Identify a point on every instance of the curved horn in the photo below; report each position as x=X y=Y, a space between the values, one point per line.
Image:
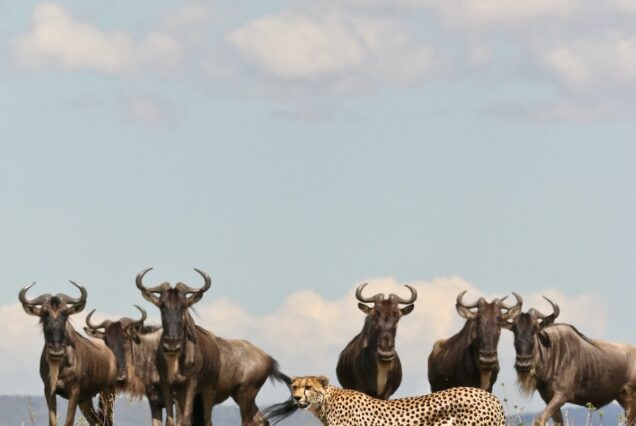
x=144 y=315
x=140 y=286
x=548 y=319
x=397 y=299
x=72 y=301
x=31 y=306
x=37 y=301
x=516 y=305
x=460 y=301
x=207 y=284
x=147 y=292
x=92 y=326
x=513 y=310
x=375 y=298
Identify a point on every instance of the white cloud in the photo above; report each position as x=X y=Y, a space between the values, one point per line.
x=339 y=49
x=58 y=39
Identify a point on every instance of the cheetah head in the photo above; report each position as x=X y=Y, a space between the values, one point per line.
x=308 y=390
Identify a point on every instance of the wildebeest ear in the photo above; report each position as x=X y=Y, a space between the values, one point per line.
x=32 y=310
x=364 y=308
x=407 y=309
x=323 y=380
x=94 y=333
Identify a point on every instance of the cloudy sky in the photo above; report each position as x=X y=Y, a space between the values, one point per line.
x=296 y=149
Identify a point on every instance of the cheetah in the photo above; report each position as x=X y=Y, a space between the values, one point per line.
x=334 y=406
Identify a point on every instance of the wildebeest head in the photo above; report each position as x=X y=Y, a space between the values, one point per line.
x=119 y=336
x=526 y=327
x=173 y=302
x=490 y=318
x=382 y=319
x=53 y=312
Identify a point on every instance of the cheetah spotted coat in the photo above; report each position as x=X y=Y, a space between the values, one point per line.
x=461 y=406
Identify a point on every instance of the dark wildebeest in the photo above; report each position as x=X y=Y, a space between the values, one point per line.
x=71 y=365
x=469 y=358
x=369 y=363
x=565 y=366
x=192 y=359
x=135 y=347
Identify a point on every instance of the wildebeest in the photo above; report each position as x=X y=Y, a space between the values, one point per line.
x=191 y=359
x=469 y=358
x=71 y=365
x=135 y=347
x=566 y=366
x=370 y=363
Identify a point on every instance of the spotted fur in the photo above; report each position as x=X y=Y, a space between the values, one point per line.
x=461 y=406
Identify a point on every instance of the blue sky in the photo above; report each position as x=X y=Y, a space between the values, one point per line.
x=285 y=146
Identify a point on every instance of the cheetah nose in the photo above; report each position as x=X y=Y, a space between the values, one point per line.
x=297 y=398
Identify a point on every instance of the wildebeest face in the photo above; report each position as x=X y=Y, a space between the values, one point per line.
x=54 y=317
x=382 y=320
x=119 y=336
x=173 y=304
x=173 y=309
x=53 y=312
x=490 y=317
x=526 y=328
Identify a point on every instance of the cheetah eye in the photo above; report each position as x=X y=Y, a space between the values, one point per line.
x=308 y=387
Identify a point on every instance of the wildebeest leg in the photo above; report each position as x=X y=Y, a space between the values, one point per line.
x=208 y=404
x=558 y=418
x=86 y=407
x=72 y=407
x=155 y=413
x=51 y=402
x=185 y=403
x=245 y=397
x=551 y=409
x=169 y=403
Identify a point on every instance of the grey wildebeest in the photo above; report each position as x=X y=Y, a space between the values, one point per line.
x=469 y=358
x=370 y=363
x=71 y=365
x=191 y=359
x=566 y=366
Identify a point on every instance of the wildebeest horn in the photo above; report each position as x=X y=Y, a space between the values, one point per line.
x=30 y=306
x=144 y=315
x=511 y=310
x=92 y=326
x=548 y=319
x=394 y=298
x=206 y=286
x=460 y=302
x=72 y=301
x=147 y=292
x=375 y=298
x=37 y=301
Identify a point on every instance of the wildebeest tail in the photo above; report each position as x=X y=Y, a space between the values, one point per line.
x=277 y=412
x=276 y=374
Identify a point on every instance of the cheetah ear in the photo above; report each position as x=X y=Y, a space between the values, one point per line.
x=323 y=380
x=294 y=378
